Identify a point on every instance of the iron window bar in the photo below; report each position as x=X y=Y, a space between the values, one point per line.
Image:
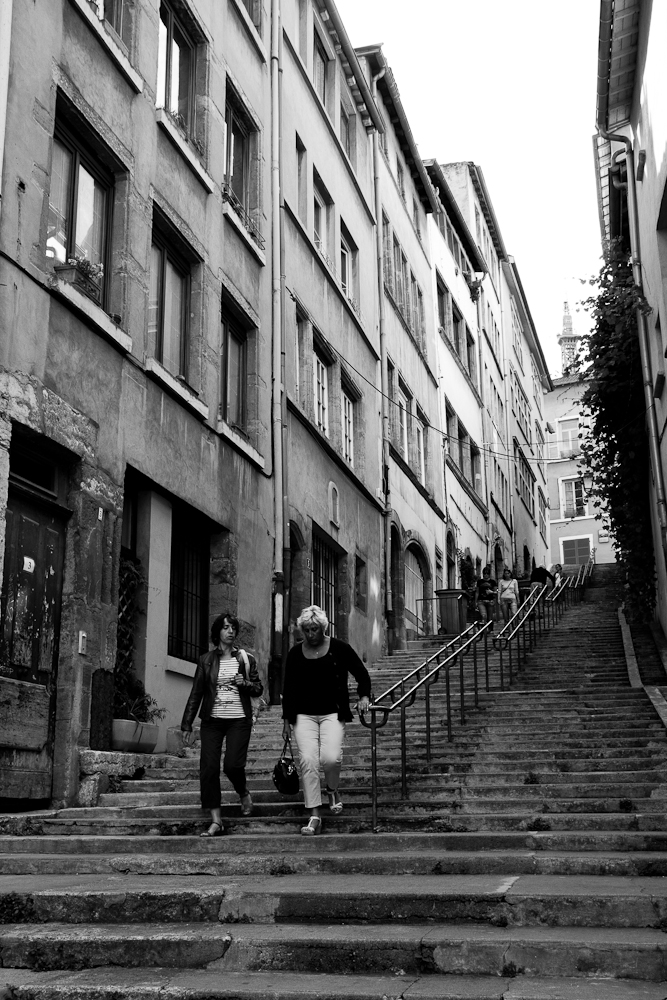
x=243 y=214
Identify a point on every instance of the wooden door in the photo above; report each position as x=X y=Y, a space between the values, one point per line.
x=29 y=631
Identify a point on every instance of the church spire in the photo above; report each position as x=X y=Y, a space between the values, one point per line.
x=568 y=340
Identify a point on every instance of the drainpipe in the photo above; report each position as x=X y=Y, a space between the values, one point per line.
x=384 y=374
x=5 y=44
x=277 y=359
x=642 y=329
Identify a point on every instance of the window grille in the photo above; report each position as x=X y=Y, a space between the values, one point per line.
x=324 y=580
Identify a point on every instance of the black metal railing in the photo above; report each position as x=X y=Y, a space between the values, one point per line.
x=396 y=700
x=245 y=216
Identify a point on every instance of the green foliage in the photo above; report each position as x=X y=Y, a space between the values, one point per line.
x=131 y=700
x=615 y=452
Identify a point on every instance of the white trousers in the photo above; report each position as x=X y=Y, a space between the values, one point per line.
x=319 y=741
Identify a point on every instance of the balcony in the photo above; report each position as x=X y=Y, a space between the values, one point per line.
x=244 y=216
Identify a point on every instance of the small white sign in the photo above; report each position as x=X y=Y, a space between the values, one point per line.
x=28 y=565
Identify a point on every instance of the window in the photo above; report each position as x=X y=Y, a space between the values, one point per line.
x=451 y=561
x=568 y=431
x=387 y=261
x=457 y=330
x=237 y=157
x=345 y=130
x=403 y=418
x=176 y=68
x=301 y=180
x=517 y=334
x=117 y=16
x=320 y=61
x=464 y=460
x=421 y=452
x=234 y=375
x=360 y=584
x=400 y=178
x=254 y=11
x=415 y=217
x=542 y=510
x=523 y=480
x=168 y=306
x=399 y=286
x=539 y=447
x=321 y=393
x=451 y=443
x=322 y=234
x=444 y=310
x=325 y=579
x=79 y=212
x=574 y=502
x=347 y=407
x=476 y=468
x=520 y=406
x=576 y=551
x=471 y=356
x=348 y=265
x=188 y=587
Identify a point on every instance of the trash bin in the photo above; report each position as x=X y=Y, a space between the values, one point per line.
x=453 y=605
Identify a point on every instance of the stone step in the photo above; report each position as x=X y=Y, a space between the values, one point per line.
x=502 y=901
x=345 y=861
x=465 y=949
x=337 y=841
x=191 y=984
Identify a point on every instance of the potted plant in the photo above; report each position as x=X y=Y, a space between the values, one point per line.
x=134 y=725
x=83 y=273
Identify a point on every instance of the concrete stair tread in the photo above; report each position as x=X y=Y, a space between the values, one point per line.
x=191 y=984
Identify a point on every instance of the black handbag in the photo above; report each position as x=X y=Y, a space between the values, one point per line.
x=285 y=774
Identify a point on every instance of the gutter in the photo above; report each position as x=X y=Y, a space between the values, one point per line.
x=275 y=668
x=643 y=334
x=5 y=46
x=604 y=61
x=384 y=375
x=348 y=50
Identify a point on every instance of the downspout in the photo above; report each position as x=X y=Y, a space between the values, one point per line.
x=384 y=373
x=5 y=45
x=642 y=329
x=276 y=372
x=287 y=555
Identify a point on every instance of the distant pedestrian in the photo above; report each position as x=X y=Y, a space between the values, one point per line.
x=539 y=577
x=316 y=706
x=487 y=592
x=508 y=595
x=225 y=680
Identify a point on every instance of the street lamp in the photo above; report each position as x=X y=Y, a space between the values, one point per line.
x=586 y=480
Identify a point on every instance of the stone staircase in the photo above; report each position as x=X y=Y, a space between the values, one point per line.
x=528 y=862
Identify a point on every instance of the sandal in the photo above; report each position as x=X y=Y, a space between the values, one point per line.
x=214 y=830
x=313 y=826
x=335 y=801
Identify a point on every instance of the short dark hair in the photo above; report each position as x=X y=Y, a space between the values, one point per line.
x=216 y=627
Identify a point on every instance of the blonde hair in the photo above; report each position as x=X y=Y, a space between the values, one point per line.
x=313 y=613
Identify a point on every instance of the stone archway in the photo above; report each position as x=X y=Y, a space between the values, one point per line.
x=418 y=589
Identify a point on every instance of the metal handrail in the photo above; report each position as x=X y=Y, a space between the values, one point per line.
x=401 y=682
x=408 y=697
x=524 y=620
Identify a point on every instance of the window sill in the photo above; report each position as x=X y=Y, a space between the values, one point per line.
x=251 y=29
x=164 y=121
x=232 y=217
x=114 y=50
x=176 y=387
x=97 y=316
x=239 y=442
x=177 y=666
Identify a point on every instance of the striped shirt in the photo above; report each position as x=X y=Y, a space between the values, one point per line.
x=227 y=703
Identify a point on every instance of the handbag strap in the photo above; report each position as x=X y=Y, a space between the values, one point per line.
x=286 y=744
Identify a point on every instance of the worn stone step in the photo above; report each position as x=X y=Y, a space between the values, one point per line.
x=346 y=861
x=501 y=900
x=191 y=984
x=465 y=949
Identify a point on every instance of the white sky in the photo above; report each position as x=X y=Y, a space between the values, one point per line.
x=509 y=84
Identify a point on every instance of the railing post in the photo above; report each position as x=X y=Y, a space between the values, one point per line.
x=502 y=676
x=449 y=704
x=374 y=772
x=404 y=757
x=427 y=698
x=462 y=691
x=486 y=657
x=474 y=669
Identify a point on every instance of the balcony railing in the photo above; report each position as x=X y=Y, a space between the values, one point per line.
x=245 y=217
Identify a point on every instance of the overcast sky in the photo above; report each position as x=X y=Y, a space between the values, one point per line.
x=509 y=84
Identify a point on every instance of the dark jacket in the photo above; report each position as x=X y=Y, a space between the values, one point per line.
x=204 y=687
x=297 y=671
x=540 y=574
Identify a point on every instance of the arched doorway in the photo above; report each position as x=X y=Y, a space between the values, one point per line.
x=415 y=610
x=526 y=561
x=396 y=625
x=499 y=562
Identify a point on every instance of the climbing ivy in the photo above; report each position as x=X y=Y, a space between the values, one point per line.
x=615 y=450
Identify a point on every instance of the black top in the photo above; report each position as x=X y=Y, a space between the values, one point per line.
x=319 y=687
x=486 y=588
x=540 y=574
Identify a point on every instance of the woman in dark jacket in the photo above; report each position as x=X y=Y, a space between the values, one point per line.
x=316 y=705
x=224 y=682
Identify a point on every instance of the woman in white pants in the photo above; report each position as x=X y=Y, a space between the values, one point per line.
x=316 y=706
